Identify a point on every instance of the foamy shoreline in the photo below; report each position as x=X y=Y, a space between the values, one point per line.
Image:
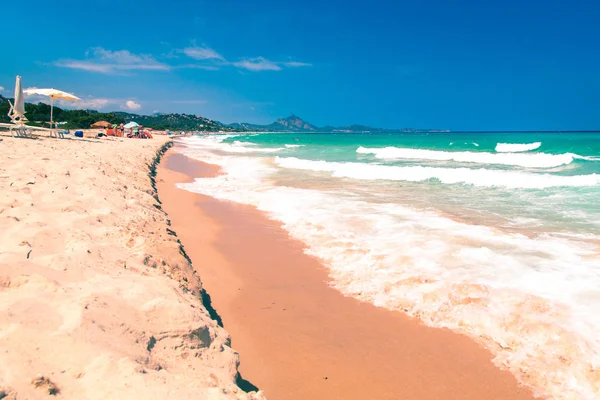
x=97 y=300
x=298 y=337
x=526 y=298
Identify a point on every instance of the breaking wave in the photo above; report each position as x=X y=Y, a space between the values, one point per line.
x=477 y=177
x=534 y=160
x=516 y=147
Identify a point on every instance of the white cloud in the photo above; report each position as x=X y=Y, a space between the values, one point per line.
x=294 y=64
x=257 y=64
x=86 y=66
x=1 y=88
x=262 y=64
x=105 y=61
x=88 y=104
x=202 y=53
x=83 y=104
x=118 y=56
x=131 y=105
x=197 y=66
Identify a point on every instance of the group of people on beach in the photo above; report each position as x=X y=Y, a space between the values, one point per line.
x=119 y=130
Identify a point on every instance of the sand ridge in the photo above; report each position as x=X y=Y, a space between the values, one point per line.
x=97 y=300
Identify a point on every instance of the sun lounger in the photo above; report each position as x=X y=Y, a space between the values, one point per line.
x=17 y=130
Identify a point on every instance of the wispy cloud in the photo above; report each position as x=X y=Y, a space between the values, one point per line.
x=1 y=88
x=212 y=60
x=257 y=64
x=202 y=53
x=198 y=66
x=294 y=64
x=105 y=61
x=91 y=104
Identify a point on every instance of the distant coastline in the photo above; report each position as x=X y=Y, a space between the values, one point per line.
x=39 y=114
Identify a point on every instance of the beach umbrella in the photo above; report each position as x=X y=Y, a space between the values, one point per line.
x=17 y=110
x=101 y=124
x=131 y=125
x=53 y=94
x=17 y=113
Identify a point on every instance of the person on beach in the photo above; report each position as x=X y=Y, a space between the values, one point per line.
x=121 y=130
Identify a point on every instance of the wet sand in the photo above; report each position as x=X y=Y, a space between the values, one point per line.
x=297 y=337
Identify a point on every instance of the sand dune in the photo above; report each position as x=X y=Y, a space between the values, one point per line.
x=96 y=299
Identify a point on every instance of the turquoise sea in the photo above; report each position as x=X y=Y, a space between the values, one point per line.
x=494 y=235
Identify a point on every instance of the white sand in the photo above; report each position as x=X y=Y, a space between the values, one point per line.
x=95 y=296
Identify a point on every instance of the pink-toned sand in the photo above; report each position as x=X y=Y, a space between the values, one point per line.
x=297 y=337
x=96 y=300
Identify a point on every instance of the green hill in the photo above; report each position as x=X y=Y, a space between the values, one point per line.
x=39 y=113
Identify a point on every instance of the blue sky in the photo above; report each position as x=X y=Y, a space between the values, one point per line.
x=526 y=64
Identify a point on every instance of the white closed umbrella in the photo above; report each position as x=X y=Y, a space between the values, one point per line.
x=53 y=94
x=19 y=107
x=17 y=110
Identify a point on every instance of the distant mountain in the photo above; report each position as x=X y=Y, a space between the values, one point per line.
x=294 y=123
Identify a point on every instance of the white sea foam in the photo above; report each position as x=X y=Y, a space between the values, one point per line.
x=478 y=177
x=532 y=300
x=533 y=160
x=215 y=142
x=238 y=143
x=516 y=147
x=291 y=146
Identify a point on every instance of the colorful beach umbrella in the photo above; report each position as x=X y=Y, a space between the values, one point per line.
x=101 y=124
x=131 y=125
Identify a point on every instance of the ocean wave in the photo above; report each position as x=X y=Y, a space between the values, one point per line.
x=216 y=142
x=516 y=147
x=587 y=158
x=291 y=146
x=533 y=160
x=477 y=177
x=521 y=297
x=238 y=143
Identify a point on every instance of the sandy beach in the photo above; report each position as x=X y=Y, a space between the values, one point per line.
x=97 y=298
x=297 y=337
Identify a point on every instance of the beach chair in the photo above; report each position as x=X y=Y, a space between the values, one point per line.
x=17 y=126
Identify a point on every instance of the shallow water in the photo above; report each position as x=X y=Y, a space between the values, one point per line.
x=493 y=235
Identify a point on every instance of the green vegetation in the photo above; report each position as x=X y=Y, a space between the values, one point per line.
x=39 y=114
x=177 y=122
